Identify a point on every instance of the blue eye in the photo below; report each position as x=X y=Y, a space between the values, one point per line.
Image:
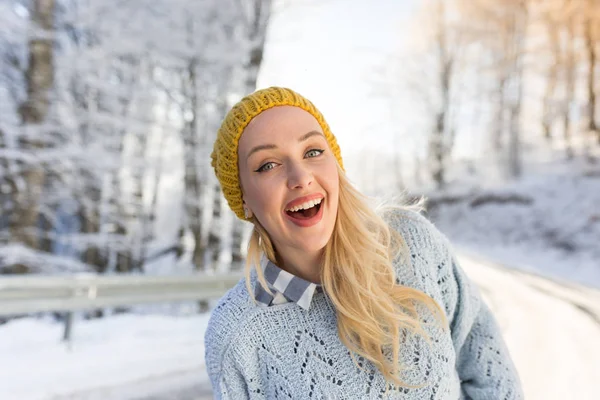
x=314 y=153
x=266 y=167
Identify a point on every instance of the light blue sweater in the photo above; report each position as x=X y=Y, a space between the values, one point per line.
x=286 y=352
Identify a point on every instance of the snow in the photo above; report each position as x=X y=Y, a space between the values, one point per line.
x=551 y=227
x=127 y=352
x=552 y=342
x=39 y=261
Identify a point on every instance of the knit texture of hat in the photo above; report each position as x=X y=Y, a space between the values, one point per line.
x=225 y=151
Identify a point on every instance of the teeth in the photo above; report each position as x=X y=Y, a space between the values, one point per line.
x=306 y=206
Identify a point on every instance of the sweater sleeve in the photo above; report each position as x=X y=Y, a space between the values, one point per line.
x=483 y=362
x=226 y=376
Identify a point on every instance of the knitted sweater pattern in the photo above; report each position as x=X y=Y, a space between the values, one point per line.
x=286 y=352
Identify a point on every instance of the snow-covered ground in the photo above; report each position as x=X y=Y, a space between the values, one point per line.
x=547 y=223
x=552 y=330
x=120 y=357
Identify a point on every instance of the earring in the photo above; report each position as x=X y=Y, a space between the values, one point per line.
x=246 y=213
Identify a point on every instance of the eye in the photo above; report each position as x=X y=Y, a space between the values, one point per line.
x=313 y=153
x=266 y=167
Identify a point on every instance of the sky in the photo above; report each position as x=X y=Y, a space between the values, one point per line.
x=330 y=51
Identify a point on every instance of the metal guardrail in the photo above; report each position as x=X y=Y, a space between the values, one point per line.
x=30 y=294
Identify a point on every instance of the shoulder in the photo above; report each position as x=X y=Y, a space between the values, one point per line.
x=427 y=261
x=419 y=233
x=226 y=321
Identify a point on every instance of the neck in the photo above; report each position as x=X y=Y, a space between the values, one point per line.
x=302 y=264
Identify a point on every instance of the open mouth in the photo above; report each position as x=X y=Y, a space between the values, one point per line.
x=306 y=211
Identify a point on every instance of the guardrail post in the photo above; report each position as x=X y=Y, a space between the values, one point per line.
x=68 y=327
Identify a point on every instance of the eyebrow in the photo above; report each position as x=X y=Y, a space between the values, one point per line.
x=302 y=138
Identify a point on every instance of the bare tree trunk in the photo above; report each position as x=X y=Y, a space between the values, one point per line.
x=89 y=221
x=46 y=219
x=5 y=203
x=115 y=217
x=193 y=144
x=569 y=65
x=516 y=43
x=551 y=83
x=590 y=44
x=257 y=36
x=436 y=152
x=214 y=236
x=84 y=183
x=137 y=213
x=90 y=217
x=499 y=120
x=34 y=111
x=193 y=185
x=514 y=148
x=440 y=143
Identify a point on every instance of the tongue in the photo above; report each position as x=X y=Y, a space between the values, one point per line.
x=304 y=214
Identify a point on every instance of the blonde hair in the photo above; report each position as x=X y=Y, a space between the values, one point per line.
x=358 y=275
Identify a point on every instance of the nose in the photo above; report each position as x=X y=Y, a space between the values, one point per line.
x=299 y=177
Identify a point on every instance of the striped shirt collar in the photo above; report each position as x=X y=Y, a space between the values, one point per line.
x=286 y=287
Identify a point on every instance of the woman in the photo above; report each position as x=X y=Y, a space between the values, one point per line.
x=339 y=302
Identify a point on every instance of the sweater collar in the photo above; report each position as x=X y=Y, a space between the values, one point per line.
x=286 y=287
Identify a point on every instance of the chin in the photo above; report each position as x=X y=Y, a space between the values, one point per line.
x=314 y=245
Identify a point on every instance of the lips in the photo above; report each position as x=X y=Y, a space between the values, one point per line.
x=305 y=222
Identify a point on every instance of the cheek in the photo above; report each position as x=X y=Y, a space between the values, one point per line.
x=261 y=197
x=252 y=193
x=255 y=198
x=332 y=179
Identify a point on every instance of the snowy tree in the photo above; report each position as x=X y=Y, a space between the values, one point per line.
x=26 y=179
x=132 y=95
x=446 y=51
x=572 y=41
x=498 y=31
x=433 y=79
x=497 y=69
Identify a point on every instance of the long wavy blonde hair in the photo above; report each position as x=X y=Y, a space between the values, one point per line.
x=359 y=277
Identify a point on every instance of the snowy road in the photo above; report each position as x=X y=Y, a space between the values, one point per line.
x=552 y=330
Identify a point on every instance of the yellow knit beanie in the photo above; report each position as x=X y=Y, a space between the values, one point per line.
x=225 y=156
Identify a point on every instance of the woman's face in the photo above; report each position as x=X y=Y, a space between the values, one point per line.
x=289 y=178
